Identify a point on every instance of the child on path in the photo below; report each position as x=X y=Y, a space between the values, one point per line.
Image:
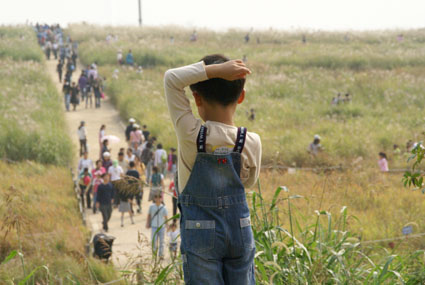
x=173 y=234
x=217 y=242
x=157 y=184
x=157 y=217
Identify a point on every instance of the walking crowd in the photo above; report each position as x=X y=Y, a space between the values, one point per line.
x=144 y=160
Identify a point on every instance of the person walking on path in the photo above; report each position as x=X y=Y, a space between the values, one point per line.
x=136 y=137
x=85 y=162
x=82 y=84
x=160 y=158
x=156 y=220
x=106 y=163
x=104 y=200
x=147 y=159
x=74 y=96
x=172 y=190
x=125 y=207
x=97 y=89
x=67 y=94
x=132 y=171
x=59 y=69
x=173 y=234
x=116 y=173
x=82 y=136
x=97 y=180
x=129 y=129
x=101 y=136
x=85 y=181
x=172 y=163
x=157 y=184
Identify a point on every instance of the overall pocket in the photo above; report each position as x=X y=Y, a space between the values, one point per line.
x=199 y=235
x=246 y=231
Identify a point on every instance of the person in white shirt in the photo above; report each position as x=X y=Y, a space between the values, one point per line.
x=129 y=156
x=85 y=162
x=82 y=136
x=115 y=171
x=160 y=158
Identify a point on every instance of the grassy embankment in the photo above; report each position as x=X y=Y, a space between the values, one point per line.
x=40 y=224
x=291 y=89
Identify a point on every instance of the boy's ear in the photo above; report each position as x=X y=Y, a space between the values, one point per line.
x=198 y=99
x=242 y=97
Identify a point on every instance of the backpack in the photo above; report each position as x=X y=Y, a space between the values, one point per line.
x=146 y=156
x=156 y=179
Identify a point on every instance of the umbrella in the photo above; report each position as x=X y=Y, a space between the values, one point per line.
x=111 y=139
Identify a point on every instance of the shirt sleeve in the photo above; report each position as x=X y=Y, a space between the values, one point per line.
x=175 y=80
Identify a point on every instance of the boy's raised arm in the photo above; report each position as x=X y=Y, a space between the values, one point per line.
x=175 y=80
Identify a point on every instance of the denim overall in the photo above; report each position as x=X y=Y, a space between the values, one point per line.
x=217 y=242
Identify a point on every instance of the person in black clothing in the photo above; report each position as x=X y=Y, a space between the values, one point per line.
x=145 y=132
x=129 y=129
x=74 y=58
x=134 y=173
x=74 y=96
x=104 y=200
x=59 y=69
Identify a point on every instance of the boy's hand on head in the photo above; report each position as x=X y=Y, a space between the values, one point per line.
x=229 y=70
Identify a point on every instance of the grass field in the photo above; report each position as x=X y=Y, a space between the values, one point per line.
x=32 y=123
x=291 y=87
x=40 y=219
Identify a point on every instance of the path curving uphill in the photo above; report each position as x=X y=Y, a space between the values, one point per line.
x=131 y=246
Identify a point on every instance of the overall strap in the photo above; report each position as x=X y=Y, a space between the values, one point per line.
x=240 y=139
x=202 y=138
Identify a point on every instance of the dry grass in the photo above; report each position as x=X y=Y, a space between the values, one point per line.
x=378 y=203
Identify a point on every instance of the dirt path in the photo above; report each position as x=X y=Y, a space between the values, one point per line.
x=126 y=249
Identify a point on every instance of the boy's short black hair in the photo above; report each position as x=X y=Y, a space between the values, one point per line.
x=132 y=164
x=217 y=90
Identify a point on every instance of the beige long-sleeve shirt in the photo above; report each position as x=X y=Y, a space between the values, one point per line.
x=220 y=137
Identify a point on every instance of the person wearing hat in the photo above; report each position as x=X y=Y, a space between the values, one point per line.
x=129 y=129
x=136 y=137
x=315 y=147
x=82 y=135
x=107 y=163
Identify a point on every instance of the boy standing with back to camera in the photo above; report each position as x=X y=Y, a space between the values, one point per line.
x=216 y=161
